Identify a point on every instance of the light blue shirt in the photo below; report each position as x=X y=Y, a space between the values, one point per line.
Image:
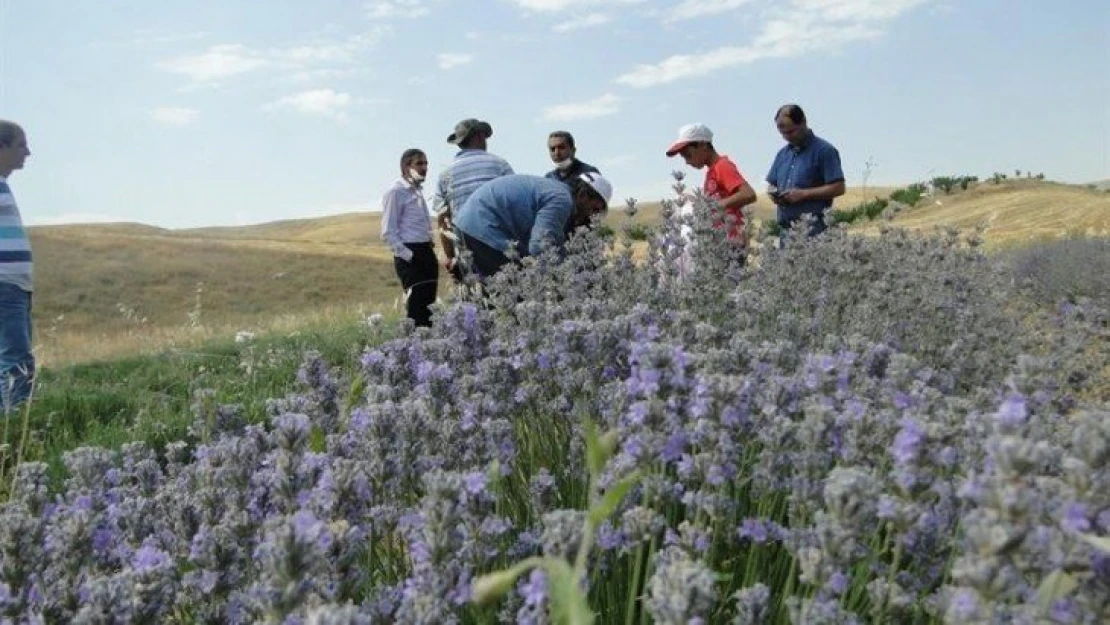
x=518 y=208
x=471 y=169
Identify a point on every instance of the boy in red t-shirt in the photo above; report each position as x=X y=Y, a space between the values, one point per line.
x=723 y=180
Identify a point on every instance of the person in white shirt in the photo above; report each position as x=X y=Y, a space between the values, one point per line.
x=407 y=229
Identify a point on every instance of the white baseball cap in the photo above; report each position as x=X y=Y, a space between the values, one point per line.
x=690 y=133
x=598 y=183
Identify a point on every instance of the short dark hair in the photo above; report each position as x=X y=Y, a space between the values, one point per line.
x=562 y=134
x=793 y=112
x=8 y=132
x=408 y=156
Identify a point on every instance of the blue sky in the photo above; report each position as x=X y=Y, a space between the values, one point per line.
x=209 y=112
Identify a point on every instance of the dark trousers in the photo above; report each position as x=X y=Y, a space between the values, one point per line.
x=420 y=279
x=485 y=260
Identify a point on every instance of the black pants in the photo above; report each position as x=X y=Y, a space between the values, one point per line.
x=484 y=259
x=420 y=277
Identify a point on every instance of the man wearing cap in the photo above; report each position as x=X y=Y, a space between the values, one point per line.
x=472 y=166
x=806 y=174
x=723 y=181
x=561 y=149
x=525 y=213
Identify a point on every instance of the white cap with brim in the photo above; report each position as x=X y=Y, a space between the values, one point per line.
x=690 y=133
x=598 y=183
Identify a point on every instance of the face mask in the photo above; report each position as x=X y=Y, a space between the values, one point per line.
x=565 y=165
x=415 y=176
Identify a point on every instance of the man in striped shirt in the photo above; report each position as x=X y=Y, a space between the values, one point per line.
x=17 y=362
x=473 y=166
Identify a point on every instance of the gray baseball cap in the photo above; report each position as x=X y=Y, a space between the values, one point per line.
x=467 y=126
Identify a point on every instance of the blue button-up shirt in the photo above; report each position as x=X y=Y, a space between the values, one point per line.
x=814 y=164
x=517 y=208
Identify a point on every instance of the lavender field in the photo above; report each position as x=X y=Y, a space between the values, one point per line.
x=857 y=429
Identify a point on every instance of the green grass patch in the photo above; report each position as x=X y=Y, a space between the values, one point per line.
x=149 y=398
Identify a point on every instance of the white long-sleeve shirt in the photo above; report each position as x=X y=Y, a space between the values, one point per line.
x=405 y=218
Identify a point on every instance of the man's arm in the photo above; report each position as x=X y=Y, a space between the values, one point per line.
x=823 y=192
x=736 y=191
x=551 y=222
x=833 y=175
x=443 y=220
x=441 y=206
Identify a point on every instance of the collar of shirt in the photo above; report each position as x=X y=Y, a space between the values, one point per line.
x=807 y=140
x=415 y=187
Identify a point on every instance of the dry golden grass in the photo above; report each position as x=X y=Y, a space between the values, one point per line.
x=1015 y=212
x=108 y=290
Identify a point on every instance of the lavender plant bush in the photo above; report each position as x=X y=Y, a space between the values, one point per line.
x=843 y=430
x=1072 y=268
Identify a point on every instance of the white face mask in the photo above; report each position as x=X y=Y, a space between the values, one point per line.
x=415 y=176
x=565 y=165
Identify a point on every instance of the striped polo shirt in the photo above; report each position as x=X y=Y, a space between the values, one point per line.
x=471 y=169
x=15 y=247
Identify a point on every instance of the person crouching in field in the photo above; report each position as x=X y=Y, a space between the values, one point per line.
x=527 y=212
x=723 y=184
x=17 y=360
x=407 y=228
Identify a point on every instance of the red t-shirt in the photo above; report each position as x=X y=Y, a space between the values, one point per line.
x=722 y=180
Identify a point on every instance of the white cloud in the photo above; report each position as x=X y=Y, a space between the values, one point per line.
x=598 y=107
x=451 y=60
x=387 y=9
x=805 y=26
x=174 y=116
x=318 y=102
x=589 y=20
x=216 y=63
x=222 y=62
x=691 y=9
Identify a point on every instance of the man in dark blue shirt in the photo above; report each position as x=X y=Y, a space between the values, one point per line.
x=806 y=174
x=560 y=146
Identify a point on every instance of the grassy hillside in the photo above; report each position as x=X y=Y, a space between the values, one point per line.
x=103 y=290
x=1015 y=212
x=108 y=290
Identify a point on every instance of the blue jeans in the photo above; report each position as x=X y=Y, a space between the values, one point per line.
x=17 y=363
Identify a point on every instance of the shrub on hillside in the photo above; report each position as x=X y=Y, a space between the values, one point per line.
x=949 y=183
x=638 y=232
x=910 y=195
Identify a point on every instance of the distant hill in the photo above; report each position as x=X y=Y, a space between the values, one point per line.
x=1014 y=211
x=1101 y=185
